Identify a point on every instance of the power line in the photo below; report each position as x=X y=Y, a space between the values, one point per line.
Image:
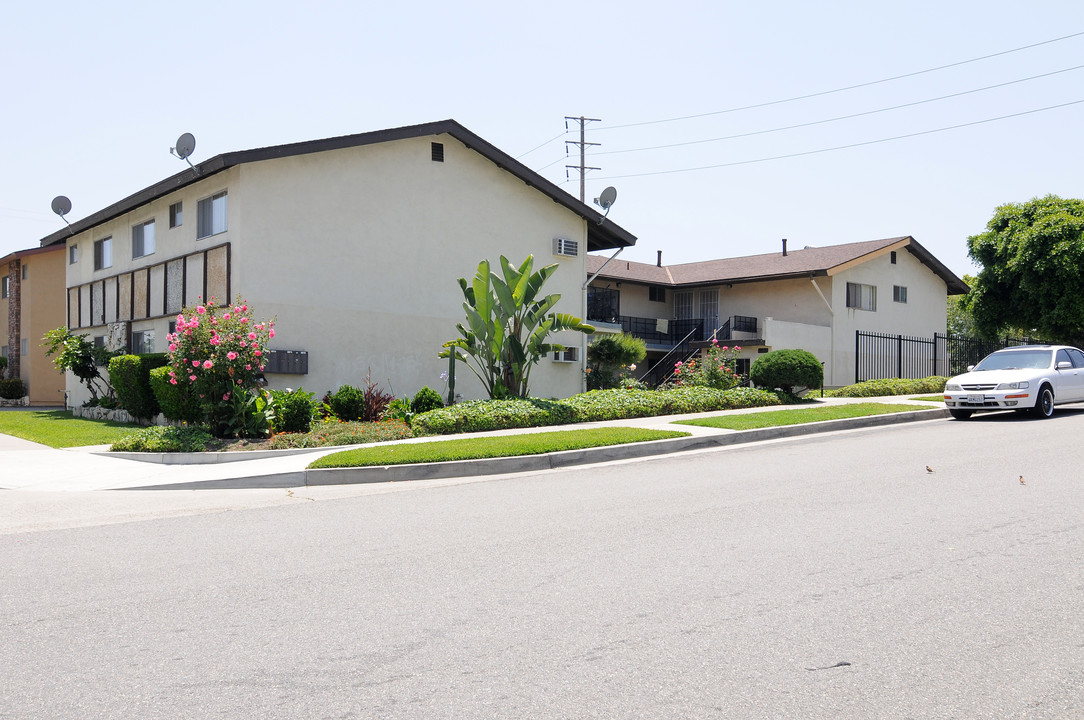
x=555 y=137
x=835 y=119
x=842 y=89
x=843 y=147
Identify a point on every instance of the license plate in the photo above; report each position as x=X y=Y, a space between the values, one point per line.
x=975 y=399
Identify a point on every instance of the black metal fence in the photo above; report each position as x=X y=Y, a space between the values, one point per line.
x=878 y=355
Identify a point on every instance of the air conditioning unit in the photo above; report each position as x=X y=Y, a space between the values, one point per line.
x=566 y=247
x=569 y=355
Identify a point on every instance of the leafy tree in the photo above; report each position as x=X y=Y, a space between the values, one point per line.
x=610 y=354
x=82 y=358
x=960 y=321
x=508 y=321
x=1032 y=277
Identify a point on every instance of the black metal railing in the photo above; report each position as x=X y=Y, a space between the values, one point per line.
x=663 y=369
x=879 y=355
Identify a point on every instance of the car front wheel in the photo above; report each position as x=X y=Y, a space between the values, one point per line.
x=1044 y=404
x=960 y=414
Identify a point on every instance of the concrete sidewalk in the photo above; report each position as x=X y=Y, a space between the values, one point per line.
x=29 y=466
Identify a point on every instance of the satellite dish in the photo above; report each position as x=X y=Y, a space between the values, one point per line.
x=607 y=198
x=61 y=205
x=185 y=145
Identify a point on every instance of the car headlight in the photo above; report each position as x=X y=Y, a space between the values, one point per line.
x=953 y=387
x=1013 y=386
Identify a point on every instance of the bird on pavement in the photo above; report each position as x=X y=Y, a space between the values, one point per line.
x=929 y=469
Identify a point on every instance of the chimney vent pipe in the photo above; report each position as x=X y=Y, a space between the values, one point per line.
x=658 y=262
x=784 y=247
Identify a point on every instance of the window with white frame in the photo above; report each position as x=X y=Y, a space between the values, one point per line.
x=143 y=239
x=709 y=310
x=176 y=215
x=73 y=254
x=899 y=294
x=24 y=346
x=683 y=305
x=861 y=297
x=103 y=253
x=142 y=342
x=211 y=216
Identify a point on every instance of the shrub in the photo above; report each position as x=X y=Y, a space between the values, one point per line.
x=480 y=415
x=168 y=438
x=352 y=404
x=716 y=369
x=891 y=386
x=611 y=356
x=425 y=400
x=12 y=389
x=332 y=433
x=787 y=370
x=130 y=376
x=177 y=402
x=293 y=410
x=398 y=409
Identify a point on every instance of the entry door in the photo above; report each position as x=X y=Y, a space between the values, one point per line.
x=709 y=311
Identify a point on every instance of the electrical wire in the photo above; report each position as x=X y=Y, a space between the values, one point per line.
x=834 y=119
x=841 y=89
x=555 y=137
x=842 y=147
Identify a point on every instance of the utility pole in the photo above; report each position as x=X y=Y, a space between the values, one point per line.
x=582 y=167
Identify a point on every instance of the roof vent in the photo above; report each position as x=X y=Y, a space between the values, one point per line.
x=784 y=247
x=438 y=152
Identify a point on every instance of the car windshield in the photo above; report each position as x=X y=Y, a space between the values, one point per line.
x=1034 y=359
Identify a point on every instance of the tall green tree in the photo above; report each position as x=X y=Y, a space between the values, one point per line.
x=508 y=322
x=1032 y=277
x=85 y=360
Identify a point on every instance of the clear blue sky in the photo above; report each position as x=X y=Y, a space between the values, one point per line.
x=94 y=95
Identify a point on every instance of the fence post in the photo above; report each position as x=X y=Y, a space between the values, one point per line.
x=899 y=356
x=857 y=354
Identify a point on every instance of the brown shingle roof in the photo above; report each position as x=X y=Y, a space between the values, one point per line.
x=771 y=266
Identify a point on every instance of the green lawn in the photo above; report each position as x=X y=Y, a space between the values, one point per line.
x=491 y=447
x=778 y=418
x=58 y=429
x=929 y=398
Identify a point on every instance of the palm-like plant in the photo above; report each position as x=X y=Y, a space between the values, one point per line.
x=508 y=321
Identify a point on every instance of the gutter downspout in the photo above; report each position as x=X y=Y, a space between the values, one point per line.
x=583 y=338
x=833 y=334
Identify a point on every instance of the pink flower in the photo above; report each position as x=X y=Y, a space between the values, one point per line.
x=244 y=344
x=226 y=316
x=715 y=342
x=678 y=364
x=192 y=378
x=215 y=340
x=270 y=333
x=231 y=355
x=226 y=396
x=725 y=347
x=173 y=347
x=244 y=320
x=737 y=348
x=258 y=353
x=195 y=363
x=252 y=336
x=207 y=364
x=173 y=381
x=201 y=310
x=248 y=367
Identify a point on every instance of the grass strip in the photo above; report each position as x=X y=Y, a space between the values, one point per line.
x=491 y=447
x=58 y=429
x=777 y=418
x=930 y=398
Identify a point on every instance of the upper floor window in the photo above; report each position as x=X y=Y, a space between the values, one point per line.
x=176 y=215
x=656 y=293
x=143 y=239
x=5 y=286
x=25 y=270
x=899 y=294
x=892 y=257
x=211 y=216
x=73 y=254
x=683 y=304
x=861 y=297
x=603 y=304
x=103 y=253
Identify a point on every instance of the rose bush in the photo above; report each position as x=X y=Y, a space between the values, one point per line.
x=219 y=351
x=716 y=369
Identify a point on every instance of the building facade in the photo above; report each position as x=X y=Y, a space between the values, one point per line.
x=32 y=302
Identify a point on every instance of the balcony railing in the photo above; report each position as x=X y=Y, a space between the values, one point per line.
x=665 y=333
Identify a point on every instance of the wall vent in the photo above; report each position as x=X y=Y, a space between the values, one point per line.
x=566 y=247
x=569 y=355
x=438 y=152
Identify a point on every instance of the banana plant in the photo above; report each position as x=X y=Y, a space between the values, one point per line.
x=507 y=323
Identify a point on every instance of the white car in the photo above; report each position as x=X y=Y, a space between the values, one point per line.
x=1031 y=378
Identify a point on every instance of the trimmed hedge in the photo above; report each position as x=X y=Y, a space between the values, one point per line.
x=891 y=386
x=294 y=410
x=176 y=401
x=331 y=433
x=130 y=377
x=425 y=400
x=786 y=370
x=164 y=438
x=480 y=415
x=12 y=389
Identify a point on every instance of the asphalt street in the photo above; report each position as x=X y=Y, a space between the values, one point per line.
x=831 y=576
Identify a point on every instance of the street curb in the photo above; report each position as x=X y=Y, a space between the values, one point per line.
x=549 y=461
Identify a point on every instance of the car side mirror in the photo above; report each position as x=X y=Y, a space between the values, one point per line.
x=970 y=368
x=1065 y=365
